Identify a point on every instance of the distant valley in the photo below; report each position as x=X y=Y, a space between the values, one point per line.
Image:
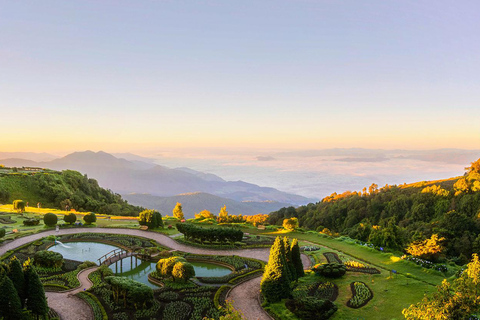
x=146 y=184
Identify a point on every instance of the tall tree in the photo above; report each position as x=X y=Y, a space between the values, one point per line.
x=10 y=305
x=15 y=273
x=297 y=259
x=36 y=300
x=288 y=260
x=275 y=284
x=223 y=214
x=178 y=212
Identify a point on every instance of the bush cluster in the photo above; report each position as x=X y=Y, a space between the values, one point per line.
x=192 y=232
x=311 y=308
x=150 y=218
x=50 y=219
x=31 y=222
x=330 y=270
x=130 y=291
x=175 y=267
x=48 y=259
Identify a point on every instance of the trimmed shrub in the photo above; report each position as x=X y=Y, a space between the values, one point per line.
x=50 y=219
x=221 y=234
x=126 y=291
x=19 y=205
x=330 y=270
x=70 y=218
x=150 y=218
x=311 y=308
x=31 y=222
x=48 y=259
x=90 y=218
x=2 y=233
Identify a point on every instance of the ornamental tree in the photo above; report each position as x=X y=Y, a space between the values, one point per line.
x=275 y=284
x=15 y=273
x=296 y=259
x=178 y=212
x=290 y=224
x=35 y=293
x=10 y=305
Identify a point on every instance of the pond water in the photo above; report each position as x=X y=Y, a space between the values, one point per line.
x=132 y=268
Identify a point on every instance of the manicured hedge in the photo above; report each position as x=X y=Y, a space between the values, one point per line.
x=221 y=234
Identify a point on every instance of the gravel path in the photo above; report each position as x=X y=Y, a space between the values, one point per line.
x=70 y=307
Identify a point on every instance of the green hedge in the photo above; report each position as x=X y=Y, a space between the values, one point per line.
x=99 y=312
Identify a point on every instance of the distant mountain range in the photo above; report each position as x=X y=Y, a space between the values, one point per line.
x=141 y=176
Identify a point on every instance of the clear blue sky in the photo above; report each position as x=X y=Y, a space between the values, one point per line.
x=133 y=75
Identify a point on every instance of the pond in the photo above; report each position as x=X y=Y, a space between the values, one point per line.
x=132 y=268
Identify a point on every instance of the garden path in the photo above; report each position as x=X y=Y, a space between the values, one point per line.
x=67 y=305
x=248 y=290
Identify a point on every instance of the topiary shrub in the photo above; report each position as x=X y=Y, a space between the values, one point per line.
x=90 y=218
x=70 y=218
x=19 y=205
x=48 y=259
x=50 y=219
x=311 y=308
x=31 y=222
x=330 y=270
x=2 y=233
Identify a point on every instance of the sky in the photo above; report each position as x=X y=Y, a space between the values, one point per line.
x=140 y=76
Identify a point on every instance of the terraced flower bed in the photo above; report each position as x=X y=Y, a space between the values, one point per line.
x=361 y=294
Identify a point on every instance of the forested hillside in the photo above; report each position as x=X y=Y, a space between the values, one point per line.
x=58 y=189
x=395 y=216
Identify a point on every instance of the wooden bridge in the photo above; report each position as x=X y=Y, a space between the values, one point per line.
x=115 y=256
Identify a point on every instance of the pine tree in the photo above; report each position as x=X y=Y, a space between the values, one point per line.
x=275 y=284
x=288 y=260
x=15 y=273
x=10 y=306
x=36 y=300
x=296 y=259
x=178 y=212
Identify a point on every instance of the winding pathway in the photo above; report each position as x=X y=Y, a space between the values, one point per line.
x=70 y=307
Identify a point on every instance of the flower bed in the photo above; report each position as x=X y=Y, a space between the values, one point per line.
x=332 y=257
x=426 y=264
x=326 y=291
x=361 y=294
x=355 y=266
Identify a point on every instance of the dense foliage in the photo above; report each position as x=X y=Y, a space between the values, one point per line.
x=176 y=267
x=48 y=259
x=396 y=216
x=58 y=189
x=127 y=291
x=457 y=300
x=178 y=211
x=330 y=270
x=311 y=308
x=220 y=234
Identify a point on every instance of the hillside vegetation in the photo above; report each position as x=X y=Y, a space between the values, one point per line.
x=396 y=216
x=60 y=189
